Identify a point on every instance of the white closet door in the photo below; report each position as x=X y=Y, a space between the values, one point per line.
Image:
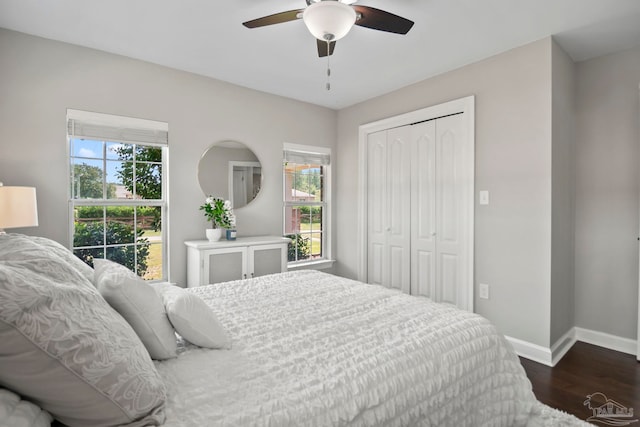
x=437 y=210
x=389 y=205
x=376 y=206
x=418 y=211
x=399 y=207
x=416 y=178
x=423 y=209
x=450 y=219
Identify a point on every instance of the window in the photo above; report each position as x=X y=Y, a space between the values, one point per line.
x=306 y=203
x=117 y=191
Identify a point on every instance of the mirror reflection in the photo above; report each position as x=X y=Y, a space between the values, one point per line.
x=230 y=170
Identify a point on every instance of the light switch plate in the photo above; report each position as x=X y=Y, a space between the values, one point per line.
x=483 y=291
x=484 y=197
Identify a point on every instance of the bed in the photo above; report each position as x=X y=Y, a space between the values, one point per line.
x=300 y=348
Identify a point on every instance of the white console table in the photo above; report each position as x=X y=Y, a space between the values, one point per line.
x=224 y=260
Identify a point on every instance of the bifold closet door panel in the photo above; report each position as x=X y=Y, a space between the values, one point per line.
x=399 y=207
x=437 y=230
x=450 y=191
x=376 y=205
x=423 y=209
x=388 y=208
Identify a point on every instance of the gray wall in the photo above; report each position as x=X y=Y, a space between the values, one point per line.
x=607 y=154
x=523 y=157
x=40 y=79
x=513 y=162
x=562 y=193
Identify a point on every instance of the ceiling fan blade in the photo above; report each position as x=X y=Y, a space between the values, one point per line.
x=322 y=48
x=383 y=21
x=277 y=18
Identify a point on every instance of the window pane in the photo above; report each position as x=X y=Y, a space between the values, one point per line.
x=154 y=262
x=119 y=179
x=292 y=218
x=133 y=237
x=120 y=225
x=316 y=231
x=88 y=228
x=86 y=148
x=148 y=154
x=118 y=151
x=308 y=183
x=148 y=181
x=121 y=236
x=299 y=247
x=303 y=224
x=149 y=238
x=86 y=179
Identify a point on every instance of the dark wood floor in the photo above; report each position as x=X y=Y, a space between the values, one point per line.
x=584 y=370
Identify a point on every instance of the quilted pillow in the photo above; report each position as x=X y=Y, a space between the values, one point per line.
x=64 y=348
x=193 y=318
x=139 y=304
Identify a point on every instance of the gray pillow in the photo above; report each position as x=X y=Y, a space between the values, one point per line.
x=65 y=349
x=139 y=304
x=38 y=251
x=57 y=249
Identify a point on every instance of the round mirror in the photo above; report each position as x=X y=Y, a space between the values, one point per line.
x=230 y=170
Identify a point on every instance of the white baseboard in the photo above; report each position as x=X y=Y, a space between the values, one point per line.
x=612 y=342
x=551 y=356
x=562 y=345
x=531 y=351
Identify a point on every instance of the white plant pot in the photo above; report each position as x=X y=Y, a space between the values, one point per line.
x=213 y=234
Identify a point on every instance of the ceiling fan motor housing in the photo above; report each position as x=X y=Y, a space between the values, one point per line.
x=329 y=20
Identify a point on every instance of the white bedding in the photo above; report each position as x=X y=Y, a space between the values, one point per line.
x=15 y=412
x=314 y=349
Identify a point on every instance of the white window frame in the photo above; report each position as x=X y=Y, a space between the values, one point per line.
x=326 y=261
x=126 y=130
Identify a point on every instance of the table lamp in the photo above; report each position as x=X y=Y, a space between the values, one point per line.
x=18 y=207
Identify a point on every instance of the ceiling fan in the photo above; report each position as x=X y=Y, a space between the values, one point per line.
x=330 y=20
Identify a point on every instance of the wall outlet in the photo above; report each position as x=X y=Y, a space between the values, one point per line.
x=484 y=291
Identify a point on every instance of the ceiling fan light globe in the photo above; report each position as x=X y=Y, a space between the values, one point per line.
x=329 y=20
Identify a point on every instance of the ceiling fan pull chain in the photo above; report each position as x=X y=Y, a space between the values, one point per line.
x=328 y=64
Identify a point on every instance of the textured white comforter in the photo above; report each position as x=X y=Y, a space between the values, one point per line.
x=314 y=349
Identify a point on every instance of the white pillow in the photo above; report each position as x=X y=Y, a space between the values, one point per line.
x=139 y=304
x=193 y=318
x=16 y=412
x=63 y=347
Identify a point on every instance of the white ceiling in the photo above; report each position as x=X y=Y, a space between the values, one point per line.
x=206 y=37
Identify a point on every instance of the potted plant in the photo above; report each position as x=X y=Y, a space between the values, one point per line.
x=219 y=213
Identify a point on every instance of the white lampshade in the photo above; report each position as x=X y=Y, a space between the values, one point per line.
x=18 y=207
x=329 y=20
